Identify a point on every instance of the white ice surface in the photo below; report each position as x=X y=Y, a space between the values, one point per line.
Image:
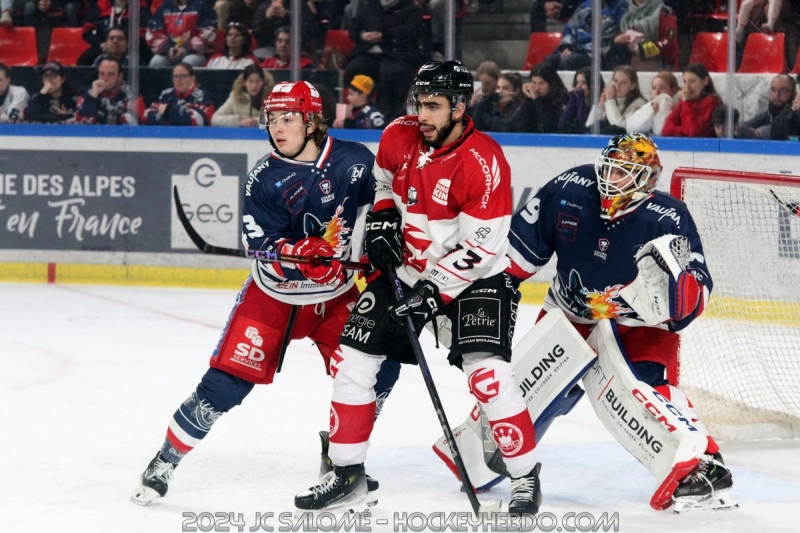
x=90 y=376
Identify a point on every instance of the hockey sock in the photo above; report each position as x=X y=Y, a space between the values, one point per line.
x=491 y=381
x=189 y=425
x=387 y=377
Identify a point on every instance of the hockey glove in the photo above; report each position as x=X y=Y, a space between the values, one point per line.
x=420 y=303
x=685 y=295
x=321 y=266
x=383 y=241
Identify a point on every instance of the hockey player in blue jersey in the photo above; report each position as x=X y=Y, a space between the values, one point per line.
x=614 y=236
x=309 y=197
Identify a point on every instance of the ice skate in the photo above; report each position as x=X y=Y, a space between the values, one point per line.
x=342 y=489
x=154 y=481
x=526 y=493
x=708 y=487
x=326 y=465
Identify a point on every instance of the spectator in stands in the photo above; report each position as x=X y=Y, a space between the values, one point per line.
x=104 y=15
x=52 y=13
x=243 y=106
x=787 y=124
x=579 y=102
x=618 y=102
x=487 y=74
x=364 y=115
x=547 y=15
x=109 y=99
x=575 y=49
x=272 y=15
x=282 y=58
x=548 y=97
x=56 y=100
x=766 y=16
x=781 y=95
x=691 y=116
x=241 y=11
x=13 y=98
x=650 y=118
x=387 y=38
x=507 y=109
x=648 y=38
x=184 y=104
x=5 y=13
x=181 y=31
x=116 y=47
x=236 y=53
x=720 y=119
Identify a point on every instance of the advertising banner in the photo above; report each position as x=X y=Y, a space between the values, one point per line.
x=107 y=201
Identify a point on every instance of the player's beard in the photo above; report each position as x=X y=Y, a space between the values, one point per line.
x=441 y=134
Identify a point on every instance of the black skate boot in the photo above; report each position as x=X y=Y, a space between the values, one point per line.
x=343 y=487
x=326 y=465
x=708 y=487
x=154 y=481
x=526 y=493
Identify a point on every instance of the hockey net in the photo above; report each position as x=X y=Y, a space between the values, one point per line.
x=740 y=361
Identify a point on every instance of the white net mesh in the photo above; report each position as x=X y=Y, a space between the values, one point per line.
x=740 y=361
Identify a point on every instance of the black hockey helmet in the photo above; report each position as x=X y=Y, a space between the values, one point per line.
x=448 y=78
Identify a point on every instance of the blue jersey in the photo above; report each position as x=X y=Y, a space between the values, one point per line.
x=595 y=257
x=287 y=200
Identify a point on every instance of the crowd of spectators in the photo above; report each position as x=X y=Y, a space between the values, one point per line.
x=391 y=39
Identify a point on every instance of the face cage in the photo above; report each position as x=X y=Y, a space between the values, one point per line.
x=638 y=173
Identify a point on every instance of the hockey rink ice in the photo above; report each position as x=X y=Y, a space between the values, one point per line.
x=91 y=375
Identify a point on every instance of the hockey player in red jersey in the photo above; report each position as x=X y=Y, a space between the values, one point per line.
x=441 y=218
x=306 y=198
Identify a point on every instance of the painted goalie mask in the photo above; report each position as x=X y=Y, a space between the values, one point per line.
x=627 y=172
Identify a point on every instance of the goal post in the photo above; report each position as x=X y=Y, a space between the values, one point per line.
x=740 y=361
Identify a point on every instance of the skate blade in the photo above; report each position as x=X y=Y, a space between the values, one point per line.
x=721 y=500
x=358 y=505
x=372 y=498
x=144 y=496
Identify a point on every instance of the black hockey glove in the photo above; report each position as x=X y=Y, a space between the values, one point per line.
x=383 y=241
x=420 y=303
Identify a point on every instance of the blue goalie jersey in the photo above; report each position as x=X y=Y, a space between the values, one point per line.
x=595 y=257
x=287 y=200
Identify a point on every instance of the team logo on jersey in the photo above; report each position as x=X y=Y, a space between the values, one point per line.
x=356 y=172
x=327 y=195
x=508 y=438
x=483 y=385
x=591 y=304
x=335 y=232
x=441 y=191
x=334 y=422
x=250 y=353
x=602 y=245
x=412 y=196
x=424 y=158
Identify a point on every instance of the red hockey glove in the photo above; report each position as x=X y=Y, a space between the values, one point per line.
x=321 y=266
x=685 y=295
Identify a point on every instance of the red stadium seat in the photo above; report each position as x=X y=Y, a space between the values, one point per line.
x=18 y=46
x=710 y=49
x=541 y=45
x=66 y=46
x=764 y=54
x=337 y=46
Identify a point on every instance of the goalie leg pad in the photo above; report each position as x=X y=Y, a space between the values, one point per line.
x=656 y=432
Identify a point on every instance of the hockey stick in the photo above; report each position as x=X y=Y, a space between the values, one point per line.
x=261 y=255
x=480 y=510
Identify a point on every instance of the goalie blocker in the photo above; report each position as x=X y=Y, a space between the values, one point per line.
x=661 y=435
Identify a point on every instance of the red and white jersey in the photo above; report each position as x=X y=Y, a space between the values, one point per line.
x=455 y=204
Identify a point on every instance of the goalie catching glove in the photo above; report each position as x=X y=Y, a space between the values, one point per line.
x=420 y=303
x=664 y=290
x=321 y=266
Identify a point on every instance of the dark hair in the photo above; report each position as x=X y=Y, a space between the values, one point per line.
x=4 y=68
x=720 y=115
x=117 y=27
x=587 y=75
x=514 y=79
x=112 y=60
x=700 y=70
x=548 y=73
x=253 y=68
x=189 y=68
x=244 y=32
x=282 y=29
x=634 y=77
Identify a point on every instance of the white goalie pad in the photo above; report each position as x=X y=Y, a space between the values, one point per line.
x=547 y=363
x=659 y=261
x=653 y=430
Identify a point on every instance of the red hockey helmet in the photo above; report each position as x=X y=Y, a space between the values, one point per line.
x=299 y=96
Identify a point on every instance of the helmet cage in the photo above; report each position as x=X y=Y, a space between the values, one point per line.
x=627 y=172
